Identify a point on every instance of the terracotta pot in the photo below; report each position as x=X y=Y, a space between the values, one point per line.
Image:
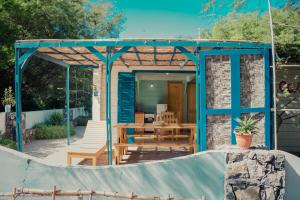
x=243 y=141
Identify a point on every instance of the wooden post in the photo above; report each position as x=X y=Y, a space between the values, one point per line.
x=54 y=192
x=14 y=195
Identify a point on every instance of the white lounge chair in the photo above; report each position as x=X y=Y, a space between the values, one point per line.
x=91 y=145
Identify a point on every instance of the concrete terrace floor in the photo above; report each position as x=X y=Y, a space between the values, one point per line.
x=55 y=152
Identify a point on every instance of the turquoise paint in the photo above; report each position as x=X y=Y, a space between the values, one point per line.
x=68 y=103
x=235 y=110
x=267 y=99
x=126 y=100
x=142 y=42
x=185 y=177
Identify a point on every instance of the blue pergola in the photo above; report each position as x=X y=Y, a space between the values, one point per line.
x=107 y=52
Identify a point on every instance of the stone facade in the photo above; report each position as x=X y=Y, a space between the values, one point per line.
x=256 y=174
x=218 y=131
x=252 y=81
x=218 y=94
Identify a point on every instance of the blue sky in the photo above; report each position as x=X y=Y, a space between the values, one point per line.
x=177 y=18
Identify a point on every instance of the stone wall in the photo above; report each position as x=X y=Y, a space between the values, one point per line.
x=257 y=174
x=252 y=81
x=218 y=129
x=218 y=95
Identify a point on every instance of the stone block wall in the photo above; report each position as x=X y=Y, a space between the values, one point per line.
x=218 y=131
x=218 y=85
x=218 y=95
x=252 y=81
x=254 y=175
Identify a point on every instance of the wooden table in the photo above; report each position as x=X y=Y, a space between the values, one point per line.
x=122 y=145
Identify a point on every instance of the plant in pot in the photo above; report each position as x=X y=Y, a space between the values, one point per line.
x=244 y=131
x=8 y=99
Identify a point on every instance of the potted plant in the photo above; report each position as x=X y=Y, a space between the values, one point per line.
x=244 y=131
x=8 y=99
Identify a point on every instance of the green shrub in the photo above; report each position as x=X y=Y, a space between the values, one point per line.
x=56 y=118
x=45 y=131
x=81 y=121
x=8 y=143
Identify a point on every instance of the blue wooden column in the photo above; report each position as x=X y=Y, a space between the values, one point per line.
x=68 y=103
x=198 y=86
x=108 y=104
x=18 y=84
x=20 y=64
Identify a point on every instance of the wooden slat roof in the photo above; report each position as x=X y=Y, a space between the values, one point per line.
x=142 y=52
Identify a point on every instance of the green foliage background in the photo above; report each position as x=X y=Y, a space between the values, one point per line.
x=59 y=19
x=255 y=27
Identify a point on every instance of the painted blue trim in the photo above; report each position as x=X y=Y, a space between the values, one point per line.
x=98 y=54
x=188 y=54
x=18 y=88
x=137 y=55
x=26 y=55
x=85 y=66
x=235 y=110
x=119 y=53
x=252 y=110
x=108 y=105
x=154 y=55
x=235 y=92
x=232 y=51
x=50 y=59
x=165 y=71
x=267 y=99
x=218 y=111
x=126 y=100
x=173 y=54
x=68 y=103
x=197 y=136
x=114 y=43
x=202 y=102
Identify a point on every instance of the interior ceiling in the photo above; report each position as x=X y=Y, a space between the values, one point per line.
x=165 y=76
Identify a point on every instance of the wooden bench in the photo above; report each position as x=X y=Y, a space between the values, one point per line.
x=121 y=148
x=86 y=153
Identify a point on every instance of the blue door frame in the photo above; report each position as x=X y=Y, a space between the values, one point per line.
x=235 y=110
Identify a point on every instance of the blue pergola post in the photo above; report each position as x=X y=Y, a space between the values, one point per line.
x=18 y=84
x=108 y=104
x=197 y=102
x=68 y=103
x=20 y=64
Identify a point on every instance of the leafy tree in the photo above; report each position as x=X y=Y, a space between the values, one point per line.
x=44 y=19
x=255 y=27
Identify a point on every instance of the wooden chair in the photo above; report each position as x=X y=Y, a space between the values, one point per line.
x=168 y=118
x=91 y=145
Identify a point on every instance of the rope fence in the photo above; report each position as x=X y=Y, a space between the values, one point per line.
x=29 y=192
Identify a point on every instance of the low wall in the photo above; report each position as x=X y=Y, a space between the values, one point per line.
x=34 y=117
x=187 y=177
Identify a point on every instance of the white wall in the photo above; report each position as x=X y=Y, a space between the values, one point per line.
x=2 y=122
x=34 y=117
